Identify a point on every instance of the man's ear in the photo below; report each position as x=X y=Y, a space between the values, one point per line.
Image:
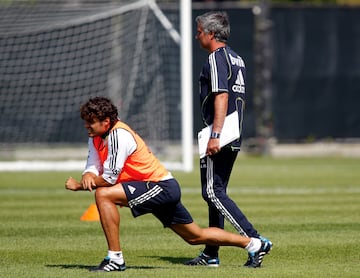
x=107 y=122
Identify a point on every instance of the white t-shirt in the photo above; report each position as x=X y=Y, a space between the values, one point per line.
x=121 y=144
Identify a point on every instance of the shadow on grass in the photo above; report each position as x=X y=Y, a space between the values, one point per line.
x=70 y=266
x=173 y=260
x=88 y=267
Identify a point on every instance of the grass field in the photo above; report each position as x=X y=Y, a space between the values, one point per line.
x=309 y=208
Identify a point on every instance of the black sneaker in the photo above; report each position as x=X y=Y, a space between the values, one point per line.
x=255 y=258
x=204 y=260
x=109 y=265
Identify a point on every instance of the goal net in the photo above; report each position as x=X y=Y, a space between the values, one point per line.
x=56 y=54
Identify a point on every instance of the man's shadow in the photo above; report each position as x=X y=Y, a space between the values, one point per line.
x=69 y=266
x=88 y=267
x=173 y=260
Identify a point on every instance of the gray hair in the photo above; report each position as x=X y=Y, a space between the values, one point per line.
x=216 y=22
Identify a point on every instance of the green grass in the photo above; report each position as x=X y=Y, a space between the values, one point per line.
x=309 y=208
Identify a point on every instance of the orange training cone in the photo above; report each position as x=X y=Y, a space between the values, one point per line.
x=91 y=214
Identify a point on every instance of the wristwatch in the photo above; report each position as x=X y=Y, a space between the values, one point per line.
x=215 y=135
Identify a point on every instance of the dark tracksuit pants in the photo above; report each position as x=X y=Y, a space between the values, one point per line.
x=215 y=174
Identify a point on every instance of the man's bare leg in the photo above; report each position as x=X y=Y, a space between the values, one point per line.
x=107 y=199
x=195 y=235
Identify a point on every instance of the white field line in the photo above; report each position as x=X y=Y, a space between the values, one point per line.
x=281 y=190
x=15 y=166
x=69 y=165
x=185 y=191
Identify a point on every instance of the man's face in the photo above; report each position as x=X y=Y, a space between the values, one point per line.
x=97 y=128
x=203 y=38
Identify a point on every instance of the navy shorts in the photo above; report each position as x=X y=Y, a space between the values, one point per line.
x=162 y=199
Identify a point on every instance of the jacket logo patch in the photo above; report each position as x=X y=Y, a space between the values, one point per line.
x=131 y=189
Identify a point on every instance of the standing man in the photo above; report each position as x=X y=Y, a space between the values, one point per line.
x=124 y=172
x=222 y=91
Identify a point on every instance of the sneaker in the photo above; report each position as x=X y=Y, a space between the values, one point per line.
x=205 y=260
x=255 y=258
x=109 y=265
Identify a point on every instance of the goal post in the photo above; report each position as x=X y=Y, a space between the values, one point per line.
x=56 y=54
x=186 y=84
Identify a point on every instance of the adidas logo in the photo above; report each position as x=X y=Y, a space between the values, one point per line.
x=131 y=189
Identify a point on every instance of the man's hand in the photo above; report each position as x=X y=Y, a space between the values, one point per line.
x=72 y=184
x=213 y=146
x=88 y=181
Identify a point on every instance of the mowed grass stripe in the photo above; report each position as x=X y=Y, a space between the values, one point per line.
x=309 y=209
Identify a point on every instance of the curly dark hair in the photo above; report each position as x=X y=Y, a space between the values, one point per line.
x=99 y=108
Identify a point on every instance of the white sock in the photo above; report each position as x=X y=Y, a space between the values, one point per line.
x=254 y=245
x=116 y=256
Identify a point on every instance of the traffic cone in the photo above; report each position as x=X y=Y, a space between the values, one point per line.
x=91 y=214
